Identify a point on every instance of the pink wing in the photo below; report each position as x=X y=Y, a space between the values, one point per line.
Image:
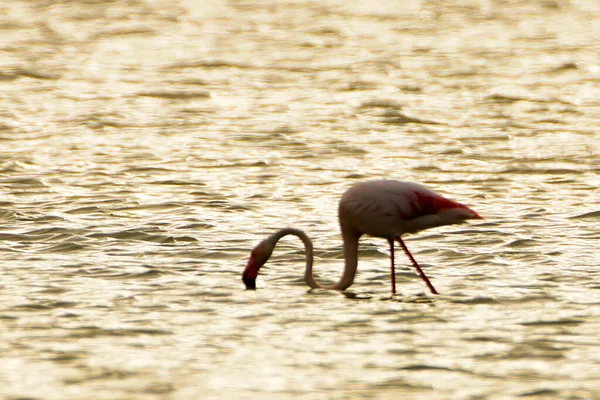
x=387 y=208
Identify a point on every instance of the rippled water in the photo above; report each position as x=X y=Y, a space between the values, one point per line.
x=147 y=146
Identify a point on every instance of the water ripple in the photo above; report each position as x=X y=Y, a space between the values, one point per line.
x=146 y=147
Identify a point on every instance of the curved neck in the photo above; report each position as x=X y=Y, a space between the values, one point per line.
x=350 y=257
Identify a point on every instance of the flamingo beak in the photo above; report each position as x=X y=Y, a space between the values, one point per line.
x=250 y=273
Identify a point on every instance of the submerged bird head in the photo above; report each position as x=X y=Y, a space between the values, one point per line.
x=258 y=257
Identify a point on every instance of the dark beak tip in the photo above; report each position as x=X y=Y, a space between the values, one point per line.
x=250 y=284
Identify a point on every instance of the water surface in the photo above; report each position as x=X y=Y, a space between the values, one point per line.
x=147 y=146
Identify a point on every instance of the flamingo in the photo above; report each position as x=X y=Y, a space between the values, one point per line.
x=381 y=208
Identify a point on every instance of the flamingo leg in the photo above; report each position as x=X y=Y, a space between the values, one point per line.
x=393 y=268
x=414 y=263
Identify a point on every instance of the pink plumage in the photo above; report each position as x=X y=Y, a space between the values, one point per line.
x=382 y=208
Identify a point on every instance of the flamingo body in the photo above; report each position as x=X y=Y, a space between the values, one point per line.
x=387 y=209
x=381 y=208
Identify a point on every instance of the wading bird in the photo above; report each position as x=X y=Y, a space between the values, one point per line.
x=383 y=208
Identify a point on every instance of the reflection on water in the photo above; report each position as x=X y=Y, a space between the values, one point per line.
x=145 y=148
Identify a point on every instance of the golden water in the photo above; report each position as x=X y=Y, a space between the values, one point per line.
x=147 y=146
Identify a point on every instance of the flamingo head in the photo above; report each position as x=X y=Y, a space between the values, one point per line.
x=258 y=257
